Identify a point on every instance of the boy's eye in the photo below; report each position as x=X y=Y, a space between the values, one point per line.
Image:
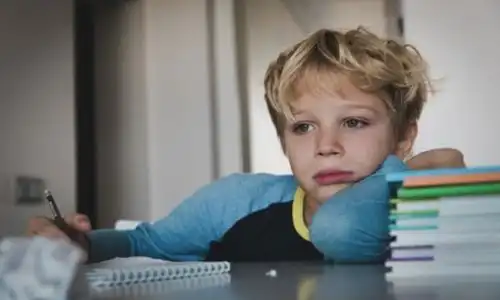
x=302 y=128
x=354 y=123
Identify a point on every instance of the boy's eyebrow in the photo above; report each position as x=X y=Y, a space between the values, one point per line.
x=346 y=103
x=297 y=111
x=363 y=106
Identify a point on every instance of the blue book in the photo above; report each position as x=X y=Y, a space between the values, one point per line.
x=399 y=177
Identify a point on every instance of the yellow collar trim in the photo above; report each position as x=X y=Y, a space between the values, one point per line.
x=298 y=214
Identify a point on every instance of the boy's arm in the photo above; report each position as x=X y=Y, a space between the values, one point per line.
x=353 y=226
x=186 y=233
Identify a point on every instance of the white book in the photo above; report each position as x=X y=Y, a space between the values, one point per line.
x=450 y=224
x=418 y=269
x=455 y=206
x=449 y=254
x=436 y=237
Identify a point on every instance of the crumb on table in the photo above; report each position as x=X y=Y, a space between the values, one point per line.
x=272 y=273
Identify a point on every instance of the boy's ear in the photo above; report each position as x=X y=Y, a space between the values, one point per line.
x=405 y=145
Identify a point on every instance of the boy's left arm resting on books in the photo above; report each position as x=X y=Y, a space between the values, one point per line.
x=353 y=226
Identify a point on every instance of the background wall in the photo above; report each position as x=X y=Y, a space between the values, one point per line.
x=179 y=100
x=168 y=103
x=270 y=29
x=344 y=15
x=36 y=104
x=457 y=39
x=121 y=112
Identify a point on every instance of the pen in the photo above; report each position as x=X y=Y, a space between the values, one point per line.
x=57 y=217
x=53 y=206
x=75 y=235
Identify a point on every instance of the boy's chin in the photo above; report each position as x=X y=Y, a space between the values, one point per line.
x=325 y=192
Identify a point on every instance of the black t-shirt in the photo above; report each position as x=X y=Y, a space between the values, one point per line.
x=265 y=235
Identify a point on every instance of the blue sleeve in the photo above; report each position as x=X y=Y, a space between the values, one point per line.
x=186 y=233
x=353 y=226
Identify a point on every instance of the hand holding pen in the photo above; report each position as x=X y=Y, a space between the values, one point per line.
x=73 y=227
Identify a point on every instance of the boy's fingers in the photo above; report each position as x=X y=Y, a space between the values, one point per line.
x=79 y=222
x=82 y=222
x=52 y=232
x=37 y=224
x=42 y=226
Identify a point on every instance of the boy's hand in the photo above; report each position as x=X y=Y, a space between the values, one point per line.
x=79 y=224
x=353 y=226
x=437 y=158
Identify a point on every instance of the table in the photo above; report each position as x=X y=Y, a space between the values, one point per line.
x=309 y=281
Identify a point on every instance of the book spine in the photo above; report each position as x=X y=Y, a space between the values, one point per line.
x=399 y=177
x=434 y=192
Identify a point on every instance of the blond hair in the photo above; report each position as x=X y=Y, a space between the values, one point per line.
x=395 y=73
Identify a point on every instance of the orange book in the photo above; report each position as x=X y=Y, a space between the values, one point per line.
x=456 y=179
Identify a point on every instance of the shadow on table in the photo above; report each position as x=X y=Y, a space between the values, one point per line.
x=309 y=281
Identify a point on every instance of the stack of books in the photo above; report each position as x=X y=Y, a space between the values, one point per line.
x=445 y=222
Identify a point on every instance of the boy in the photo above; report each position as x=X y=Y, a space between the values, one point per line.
x=345 y=107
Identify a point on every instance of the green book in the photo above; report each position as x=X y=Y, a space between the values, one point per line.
x=449 y=191
x=395 y=201
x=413 y=228
x=415 y=214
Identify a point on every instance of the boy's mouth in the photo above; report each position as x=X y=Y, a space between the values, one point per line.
x=327 y=177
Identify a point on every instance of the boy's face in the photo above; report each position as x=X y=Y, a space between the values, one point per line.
x=338 y=137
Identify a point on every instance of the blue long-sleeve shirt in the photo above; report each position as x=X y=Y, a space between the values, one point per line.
x=352 y=226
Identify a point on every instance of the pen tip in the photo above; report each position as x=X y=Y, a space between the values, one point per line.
x=47 y=193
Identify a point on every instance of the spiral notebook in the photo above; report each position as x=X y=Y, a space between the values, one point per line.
x=161 y=288
x=133 y=271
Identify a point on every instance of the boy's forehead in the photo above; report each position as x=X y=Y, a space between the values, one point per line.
x=319 y=84
x=333 y=88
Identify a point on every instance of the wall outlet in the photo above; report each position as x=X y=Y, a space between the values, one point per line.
x=29 y=190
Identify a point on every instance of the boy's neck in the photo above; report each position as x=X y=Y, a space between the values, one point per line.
x=310 y=208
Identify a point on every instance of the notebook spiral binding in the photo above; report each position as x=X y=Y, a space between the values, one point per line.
x=154 y=272
x=148 y=289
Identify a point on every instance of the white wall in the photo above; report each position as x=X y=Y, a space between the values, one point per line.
x=380 y=16
x=168 y=104
x=345 y=15
x=459 y=41
x=229 y=87
x=121 y=113
x=178 y=95
x=270 y=29
x=37 y=124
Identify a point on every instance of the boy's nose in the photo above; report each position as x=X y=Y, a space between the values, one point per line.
x=329 y=144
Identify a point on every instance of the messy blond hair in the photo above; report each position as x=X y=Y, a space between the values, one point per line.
x=395 y=73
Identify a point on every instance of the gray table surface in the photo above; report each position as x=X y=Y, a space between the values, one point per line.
x=303 y=281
